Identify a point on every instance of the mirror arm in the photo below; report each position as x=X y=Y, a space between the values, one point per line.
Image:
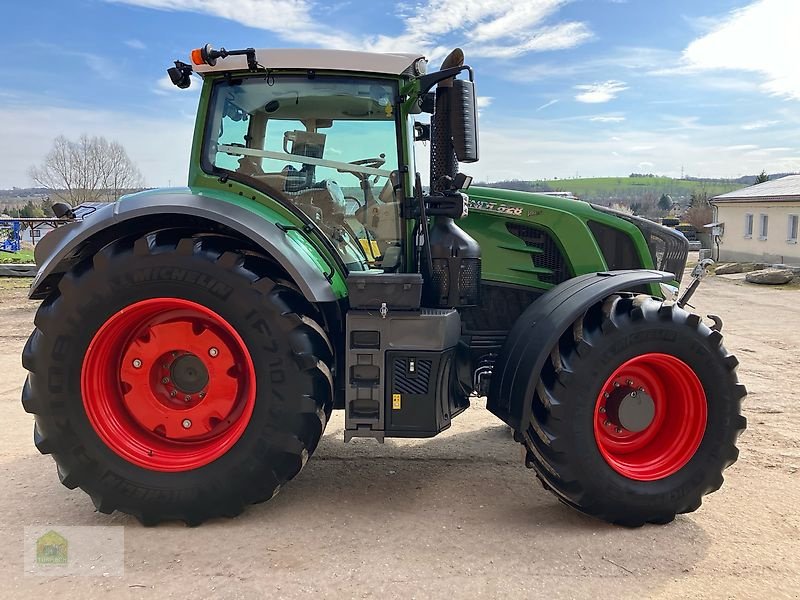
x=426 y=82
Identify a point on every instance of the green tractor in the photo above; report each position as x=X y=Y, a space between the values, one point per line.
x=191 y=343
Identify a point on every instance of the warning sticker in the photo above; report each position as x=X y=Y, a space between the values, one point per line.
x=396 y=401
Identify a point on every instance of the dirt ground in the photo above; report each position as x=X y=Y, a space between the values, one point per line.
x=455 y=516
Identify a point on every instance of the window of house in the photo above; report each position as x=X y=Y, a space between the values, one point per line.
x=763 y=226
x=793 y=226
x=748 y=225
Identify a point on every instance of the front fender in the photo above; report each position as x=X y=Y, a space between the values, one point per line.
x=537 y=330
x=62 y=248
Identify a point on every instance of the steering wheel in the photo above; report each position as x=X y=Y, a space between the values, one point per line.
x=373 y=163
x=358 y=202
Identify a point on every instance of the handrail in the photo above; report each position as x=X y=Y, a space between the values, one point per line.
x=306 y=160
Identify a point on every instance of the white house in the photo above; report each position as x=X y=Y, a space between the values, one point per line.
x=759 y=223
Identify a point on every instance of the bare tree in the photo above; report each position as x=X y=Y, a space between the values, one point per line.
x=88 y=170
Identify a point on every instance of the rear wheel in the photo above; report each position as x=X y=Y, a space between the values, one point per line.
x=177 y=378
x=636 y=413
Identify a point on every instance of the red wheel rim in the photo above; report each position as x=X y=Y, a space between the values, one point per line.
x=679 y=411
x=168 y=384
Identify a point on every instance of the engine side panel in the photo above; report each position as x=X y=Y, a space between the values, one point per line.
x=498 y=216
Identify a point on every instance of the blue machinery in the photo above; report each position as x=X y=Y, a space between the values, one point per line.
x=10 y=238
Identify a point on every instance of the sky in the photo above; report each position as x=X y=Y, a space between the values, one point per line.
x=566 y=87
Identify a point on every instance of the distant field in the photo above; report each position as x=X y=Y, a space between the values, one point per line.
x=24 y=256
x=626 y=188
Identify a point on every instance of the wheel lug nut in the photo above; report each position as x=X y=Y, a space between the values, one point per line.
x=629 y=382
x=602 y=409
x=173 y=393
x=633 y=394
x=607 y=423
x=213 y=352
x=186 y=423
x=201 y=395
x=618 y=430
x=616 y=384
x=187 y=398
x=165 y=380
x=137 y=363
x=164 y=366
x=606 y=395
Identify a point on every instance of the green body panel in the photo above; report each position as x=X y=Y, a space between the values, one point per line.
x=269 y=211
x=506 y=258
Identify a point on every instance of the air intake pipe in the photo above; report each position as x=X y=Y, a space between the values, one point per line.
x=454 y=280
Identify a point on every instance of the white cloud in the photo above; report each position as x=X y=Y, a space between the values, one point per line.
x=135 y=44
x=489 y=28
x=563 y=148
x=758 y=125
x=595 y=93
x=761 y=38
x=607 y=118
x=270 y=15
x=160 y=146
x=547 y=105
x=165 y=87
x=484 y=101
x=558 y=37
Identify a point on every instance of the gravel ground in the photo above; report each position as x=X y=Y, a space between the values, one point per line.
x=454 y=516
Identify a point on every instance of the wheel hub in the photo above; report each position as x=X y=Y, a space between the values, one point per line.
x=650 y=417
x=189 y=374
x=630 y=408
x=168 y=384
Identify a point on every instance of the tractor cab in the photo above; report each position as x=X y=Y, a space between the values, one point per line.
x=328 y=146
x=329 y=134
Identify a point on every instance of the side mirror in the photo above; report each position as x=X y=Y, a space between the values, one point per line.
x=422 y=132
x=464 y=120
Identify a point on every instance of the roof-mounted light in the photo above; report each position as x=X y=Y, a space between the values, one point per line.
x=208 y=56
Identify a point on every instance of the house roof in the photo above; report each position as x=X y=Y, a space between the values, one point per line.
x=322 y=60
x=785 y=189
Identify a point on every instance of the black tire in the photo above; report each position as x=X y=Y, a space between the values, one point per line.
x=561 y=443
x=293 y=383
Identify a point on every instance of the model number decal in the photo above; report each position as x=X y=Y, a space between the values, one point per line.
x=502 y=209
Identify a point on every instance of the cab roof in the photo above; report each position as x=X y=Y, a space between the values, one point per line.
x=323 y=60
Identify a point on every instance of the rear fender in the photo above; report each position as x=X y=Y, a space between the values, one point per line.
x=538 y=329
x=62 y=248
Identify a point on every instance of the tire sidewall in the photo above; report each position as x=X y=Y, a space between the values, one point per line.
x=99 y=293
x=612 y=349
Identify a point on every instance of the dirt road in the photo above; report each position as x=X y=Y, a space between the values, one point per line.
x=455 y=516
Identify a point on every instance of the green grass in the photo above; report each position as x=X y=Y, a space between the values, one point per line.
x=628 y=189
x=608 y=185
x=24 y=256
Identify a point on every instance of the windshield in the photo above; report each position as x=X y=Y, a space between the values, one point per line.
x=326 y=145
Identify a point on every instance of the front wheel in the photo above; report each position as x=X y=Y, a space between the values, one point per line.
x=177 y=377
x=636 y=412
